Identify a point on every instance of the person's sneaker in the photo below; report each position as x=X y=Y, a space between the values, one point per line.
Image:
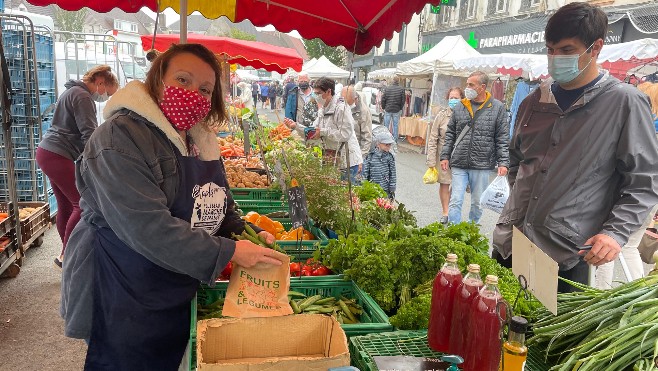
x=58 y=262
x=444 y=220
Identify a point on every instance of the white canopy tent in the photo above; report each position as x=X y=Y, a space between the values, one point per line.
x=384 y=73
x=439 y=59
x=533 y=65
x=309 y=63
x=536 y=65
x=324 y=68
x=246 y=75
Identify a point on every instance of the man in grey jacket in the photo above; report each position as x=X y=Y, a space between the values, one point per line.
x=476 y=142
x=362 y=118
x=584 y=155
x=392 y=103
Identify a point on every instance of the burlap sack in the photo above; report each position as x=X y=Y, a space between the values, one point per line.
x=259 y=291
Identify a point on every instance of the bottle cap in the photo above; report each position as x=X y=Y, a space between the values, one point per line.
x=518 y=325
x=474 y=268
x=491 y=279
x=451 y=258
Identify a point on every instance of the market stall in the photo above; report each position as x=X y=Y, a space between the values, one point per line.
x=382 y=74
x=324 y=68
x=245 y=53
x=432 y=74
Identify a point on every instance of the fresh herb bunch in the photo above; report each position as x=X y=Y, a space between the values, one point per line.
x=368 y=191
x=413 y=315
x=393 y=264
x=381 y=212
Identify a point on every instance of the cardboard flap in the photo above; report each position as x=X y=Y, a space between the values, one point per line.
x=539 y=269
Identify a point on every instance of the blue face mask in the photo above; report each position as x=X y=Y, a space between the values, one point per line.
x=452 y=102
x=564 y=68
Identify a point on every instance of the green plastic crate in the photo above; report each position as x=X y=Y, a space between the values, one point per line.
x=373 y=319
x=294 y=246
x=409 y=343
x=257 y=194
x=261 y=207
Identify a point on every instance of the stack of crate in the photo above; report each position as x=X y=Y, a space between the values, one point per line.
x=29 y=52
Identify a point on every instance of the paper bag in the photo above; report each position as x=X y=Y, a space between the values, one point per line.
x=259 y=291
x=431 y=176
x=496 y=194
x=648 y=246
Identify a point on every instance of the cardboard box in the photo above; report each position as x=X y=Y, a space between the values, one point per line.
x=306 y=342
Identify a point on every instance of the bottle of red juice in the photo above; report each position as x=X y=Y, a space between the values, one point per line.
x=443 y=293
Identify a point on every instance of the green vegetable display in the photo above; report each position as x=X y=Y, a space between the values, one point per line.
x=368 y=191
x=413 y=315
x=601 y=330
x=393 y=264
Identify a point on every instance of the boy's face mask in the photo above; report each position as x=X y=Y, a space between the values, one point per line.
x=564 y=68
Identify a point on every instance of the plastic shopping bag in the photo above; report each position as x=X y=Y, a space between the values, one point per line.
x=496 y=194
x=431 y=176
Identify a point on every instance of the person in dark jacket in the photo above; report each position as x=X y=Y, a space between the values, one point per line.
x=300 y=107
x=73 y=123
x=157 y=217
x=583 y=156
x=271 y=94
x=392 y=103
x=255 y=93
x=379 y=166
x=476 y=142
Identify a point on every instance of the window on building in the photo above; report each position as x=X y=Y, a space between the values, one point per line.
x=403 y=38
x=446 y=14
x=467 y=9
x=387 y=46
x=526 y=5
x=125 y=26
x=501 y=6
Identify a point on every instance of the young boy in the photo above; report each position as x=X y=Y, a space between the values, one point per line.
x=379 y=166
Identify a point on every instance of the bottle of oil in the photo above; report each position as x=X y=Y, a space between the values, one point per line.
x=514 y=350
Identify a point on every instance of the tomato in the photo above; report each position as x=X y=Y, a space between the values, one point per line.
x=307 y=270
x=321 y=271
x=295 y=269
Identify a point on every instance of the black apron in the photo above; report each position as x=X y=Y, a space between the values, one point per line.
x=141 y=311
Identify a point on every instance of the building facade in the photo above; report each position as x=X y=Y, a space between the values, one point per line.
x=403 y=46
x=517 y=26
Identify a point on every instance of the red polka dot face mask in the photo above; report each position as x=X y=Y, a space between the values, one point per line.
x=183 y=108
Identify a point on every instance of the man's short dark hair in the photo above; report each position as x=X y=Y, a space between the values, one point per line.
x=482 y=77
x=583 y=21
x=325 y=84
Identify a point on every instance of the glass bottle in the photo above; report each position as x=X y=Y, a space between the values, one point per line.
x=443 y=293
x=515 y=352
x=466 y=291
x=483 y=336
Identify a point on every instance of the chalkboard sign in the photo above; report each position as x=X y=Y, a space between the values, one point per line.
x=297 y=205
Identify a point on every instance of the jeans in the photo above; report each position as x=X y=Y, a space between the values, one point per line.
x=392 y=126
x=478 y=181
x=353 y=175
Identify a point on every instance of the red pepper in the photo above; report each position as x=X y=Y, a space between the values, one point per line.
x=226 y=273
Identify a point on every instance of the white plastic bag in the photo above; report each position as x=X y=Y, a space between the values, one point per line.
x=496 y=194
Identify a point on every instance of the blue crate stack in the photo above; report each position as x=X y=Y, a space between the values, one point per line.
x=31 y=97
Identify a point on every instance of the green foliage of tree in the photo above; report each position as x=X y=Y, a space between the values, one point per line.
x=241 y=35
x=70 y=21
x=317 y=48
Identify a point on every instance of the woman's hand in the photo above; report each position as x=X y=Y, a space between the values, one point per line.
x=267 y=236
x=247 y=254
x=289 y=123
x=360 y=169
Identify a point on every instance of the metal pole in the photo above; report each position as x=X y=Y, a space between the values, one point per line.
x=183 y=21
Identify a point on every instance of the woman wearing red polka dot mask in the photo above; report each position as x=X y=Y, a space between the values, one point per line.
x=157 y=216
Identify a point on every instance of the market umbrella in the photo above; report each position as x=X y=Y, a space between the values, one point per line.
x=358 y=25
x=245 y=53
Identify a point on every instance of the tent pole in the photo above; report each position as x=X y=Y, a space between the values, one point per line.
x=183 y=21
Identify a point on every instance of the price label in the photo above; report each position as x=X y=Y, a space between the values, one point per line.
x=297 y=206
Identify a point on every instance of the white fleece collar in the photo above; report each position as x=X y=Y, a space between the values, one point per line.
x=134 y=97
